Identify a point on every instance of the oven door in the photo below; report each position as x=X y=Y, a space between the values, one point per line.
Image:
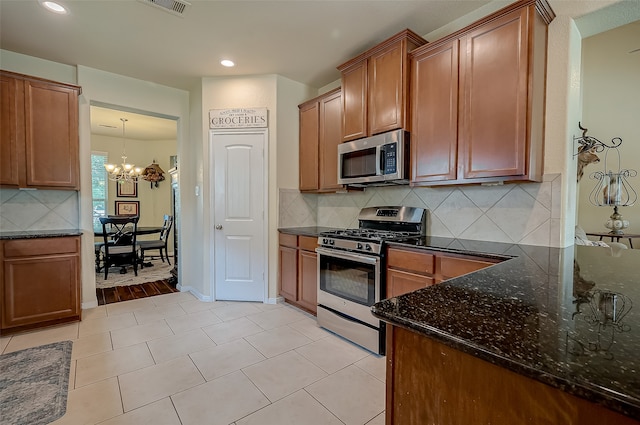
x=349 y=283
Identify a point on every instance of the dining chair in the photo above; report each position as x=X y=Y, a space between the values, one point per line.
x=160 y=244
x=120 y=247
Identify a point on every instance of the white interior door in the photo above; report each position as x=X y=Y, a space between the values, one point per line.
x=238 y=224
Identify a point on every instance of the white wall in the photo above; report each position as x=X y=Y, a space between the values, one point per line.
x=611 y=91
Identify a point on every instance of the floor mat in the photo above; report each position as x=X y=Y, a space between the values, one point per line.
x=34 y=384
x=158 y=271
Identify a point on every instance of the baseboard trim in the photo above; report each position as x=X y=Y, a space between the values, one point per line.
x=195 y=293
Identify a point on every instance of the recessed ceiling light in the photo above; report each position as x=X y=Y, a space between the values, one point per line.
x=227 y=63
x=54 y=7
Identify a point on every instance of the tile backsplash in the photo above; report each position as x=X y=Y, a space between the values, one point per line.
x=38 y=210
x=524 y=213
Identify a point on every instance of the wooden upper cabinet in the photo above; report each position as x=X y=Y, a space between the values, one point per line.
x=11 y=130
x=320 y=134
x=39 y=133
x=309 y=122
x=477 y=101
x=354 y=101
x=494 y=71
x=375 y=87
x=434 y=111
x=330 y=138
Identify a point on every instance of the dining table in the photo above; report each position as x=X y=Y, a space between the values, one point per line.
x=141 y=230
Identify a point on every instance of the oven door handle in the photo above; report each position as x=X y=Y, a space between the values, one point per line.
x=348 y=256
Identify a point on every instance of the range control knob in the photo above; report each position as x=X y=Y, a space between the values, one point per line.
x=359 y=246
x=332 y=242
x=368 y=247
x=324 y=241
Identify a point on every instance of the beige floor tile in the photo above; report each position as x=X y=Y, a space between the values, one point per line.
x=191 y=321
x=277 y=341
x=378 y=420
x=92 y=404
x=194 y=306
x=276 y=318
x=309 y=328
x=159 y=413
x=94 y=313
x=106 y=324
x=351 y=394
x=374 y=365
x=171 y=347
x=155 y=313
x=129 y=306
x=226 y=358
x=4 y=341
x=233 y=329
x=174 y=298
x=332 y=354
x=91 y=344
x=283 y=375
x=72 y=375
x=267 y=307
x=153 y=383
x=141 y=333
x=235 y=310
x=112 y=363
x=299 y=409
x=42 y=337
x=217 y=304
x=219 y=402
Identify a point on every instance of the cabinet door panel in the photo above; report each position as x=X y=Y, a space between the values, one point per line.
x=330 y=138
x=419 y=262
x=386 y=90
x=40 y=289
x=400 y=282
x=453 y=267
x=309 y=122
x=494 y=71
x=354 y=102
x=308 y=280
x=434 y=114
x=11 y=117
x=288 y=273
x=51 y=135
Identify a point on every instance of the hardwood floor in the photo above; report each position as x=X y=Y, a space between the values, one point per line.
x=132 y=292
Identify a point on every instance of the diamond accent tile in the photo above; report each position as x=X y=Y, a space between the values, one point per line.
x=484 y=229
x=457 y=213
x=517 y=214
x=393 y=195
x=485 y=196
x=540 y=191
x=433 y=196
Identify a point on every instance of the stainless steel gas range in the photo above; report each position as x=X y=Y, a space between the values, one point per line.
x=351 y=271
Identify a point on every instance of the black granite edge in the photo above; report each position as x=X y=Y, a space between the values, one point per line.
x=593 y=393
x=35 y=234
x=313 y=231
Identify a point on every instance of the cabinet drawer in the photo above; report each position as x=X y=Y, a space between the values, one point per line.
x=400 y=282
x=419 y=262
x=307 y=243
x=288 y=240
x=453 y=267
x=43 y=246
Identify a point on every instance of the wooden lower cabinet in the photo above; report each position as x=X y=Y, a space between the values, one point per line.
x=40 y=282
x=428 y=382
x=299 y=271
x=411 y=269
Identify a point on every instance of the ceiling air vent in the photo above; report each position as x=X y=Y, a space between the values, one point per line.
x=175 y=7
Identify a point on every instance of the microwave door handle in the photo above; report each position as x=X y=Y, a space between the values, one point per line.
x=380 y=161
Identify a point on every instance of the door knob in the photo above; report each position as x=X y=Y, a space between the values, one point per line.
x=218 y=226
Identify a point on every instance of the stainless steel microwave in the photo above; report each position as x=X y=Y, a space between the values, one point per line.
x=377 y=160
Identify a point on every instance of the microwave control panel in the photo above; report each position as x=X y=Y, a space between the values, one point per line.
x=390 y=158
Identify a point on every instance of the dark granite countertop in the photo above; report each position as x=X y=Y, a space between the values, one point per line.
x=34 y=234
x=568 y=317
x=313 y=231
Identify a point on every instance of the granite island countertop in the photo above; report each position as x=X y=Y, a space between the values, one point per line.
x=312 y=231
x=568 y=317
x=34 y=234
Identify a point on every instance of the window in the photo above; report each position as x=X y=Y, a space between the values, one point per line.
x=99 y=187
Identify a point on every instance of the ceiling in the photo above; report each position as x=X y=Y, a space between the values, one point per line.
x=303 y=40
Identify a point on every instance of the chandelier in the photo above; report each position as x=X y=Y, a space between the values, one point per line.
x=124 y=172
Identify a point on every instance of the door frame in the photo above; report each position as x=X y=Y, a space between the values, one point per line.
x=264 y=132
